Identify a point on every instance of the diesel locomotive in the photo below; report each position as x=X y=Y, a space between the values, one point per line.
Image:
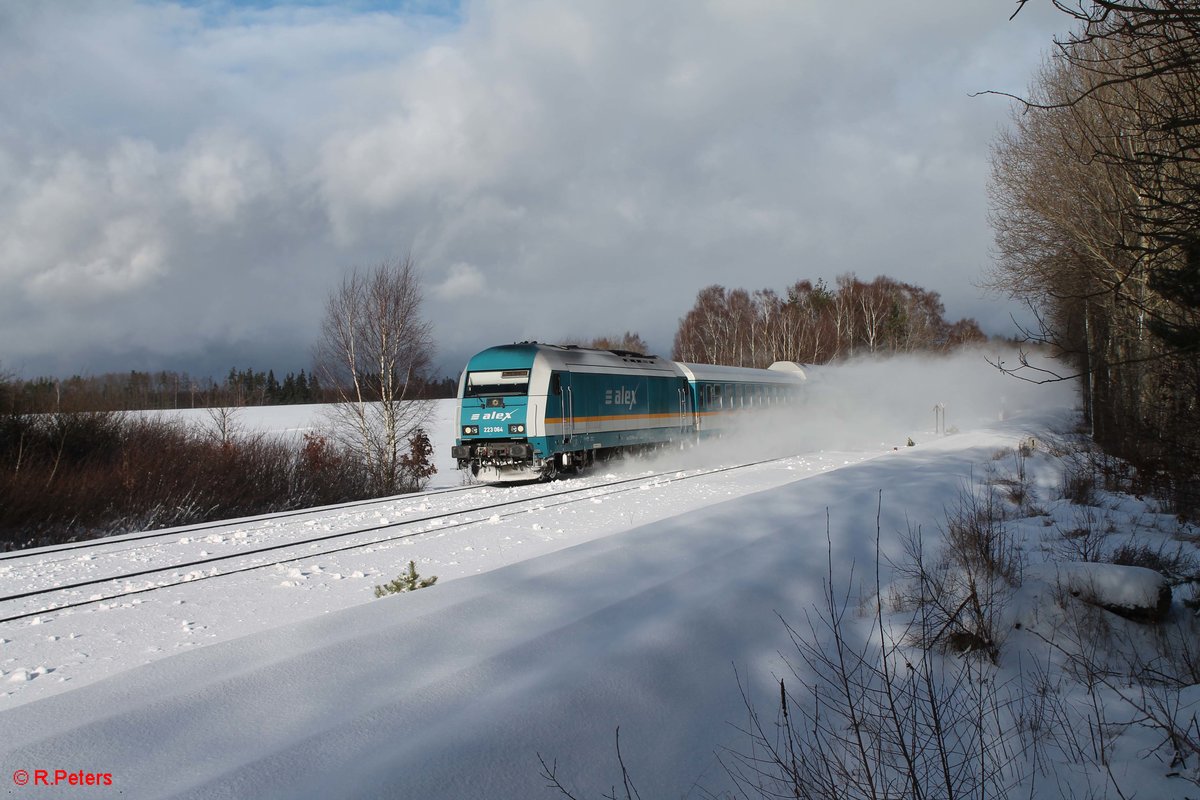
x=528 y=410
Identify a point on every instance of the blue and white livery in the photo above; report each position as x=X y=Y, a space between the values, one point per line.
x=529 y=410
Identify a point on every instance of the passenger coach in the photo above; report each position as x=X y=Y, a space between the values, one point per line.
x=721 y=396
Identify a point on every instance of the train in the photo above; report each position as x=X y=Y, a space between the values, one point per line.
x=532 y=411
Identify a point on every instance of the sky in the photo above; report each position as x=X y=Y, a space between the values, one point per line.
x=182 y=185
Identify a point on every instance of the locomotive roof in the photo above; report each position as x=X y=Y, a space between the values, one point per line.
x=714 y=372
x=567 y=357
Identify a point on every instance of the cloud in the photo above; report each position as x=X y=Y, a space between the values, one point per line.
x=125 y=255
x=462 y=281
x=196 y=177
x=221 y=173
x=78 y=230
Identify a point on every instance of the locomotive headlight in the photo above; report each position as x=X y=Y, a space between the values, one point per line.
x=470 y=430
x=516 y=428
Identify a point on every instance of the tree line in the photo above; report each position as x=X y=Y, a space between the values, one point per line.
x=1096 y=209
x=809 y=323
x=814 y=324
x=166 y=389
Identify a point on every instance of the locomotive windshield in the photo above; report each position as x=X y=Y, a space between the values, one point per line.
x=497 y=382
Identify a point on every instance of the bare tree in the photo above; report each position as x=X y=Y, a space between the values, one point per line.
x=807 y=332
x=226 y=425
x=1096 y=204
x=374 y=348
x=8 y=391
x=630 y=341
x=701 y=332
x=814 y=324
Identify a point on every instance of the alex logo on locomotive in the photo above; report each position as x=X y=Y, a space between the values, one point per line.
x=494 y=415
x=621 y=397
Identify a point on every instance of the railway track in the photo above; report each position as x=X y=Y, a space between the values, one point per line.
x=114 y=542
x=15 y=606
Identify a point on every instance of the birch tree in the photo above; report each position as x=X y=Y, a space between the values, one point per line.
x=374 y=349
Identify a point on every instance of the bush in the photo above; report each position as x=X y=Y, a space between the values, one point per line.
x=71 y=476
x=1177 y=565
x=415 y=467
x=1079 y=485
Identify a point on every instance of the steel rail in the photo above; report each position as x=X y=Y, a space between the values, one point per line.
x=249 y=568
x=206 y=526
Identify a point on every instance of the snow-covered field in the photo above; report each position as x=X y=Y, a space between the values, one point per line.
x=550 y=626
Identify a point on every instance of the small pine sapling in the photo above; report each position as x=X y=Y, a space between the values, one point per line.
x=406 y=582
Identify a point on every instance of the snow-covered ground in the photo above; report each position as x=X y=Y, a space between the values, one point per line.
x=550 y=626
